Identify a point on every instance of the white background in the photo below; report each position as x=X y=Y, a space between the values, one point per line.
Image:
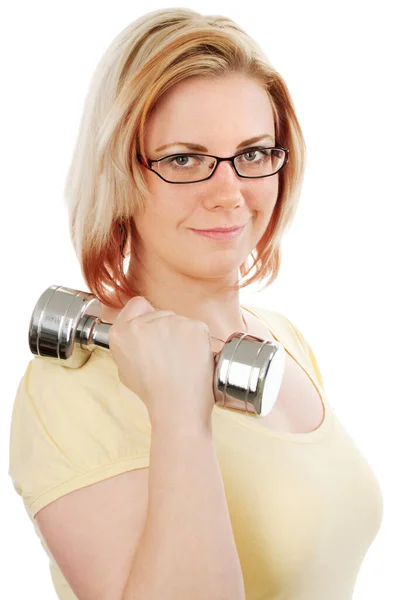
x=341 y=275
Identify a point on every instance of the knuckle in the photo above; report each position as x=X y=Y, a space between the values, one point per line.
x=139 y=302
x=117 y=332
x=113 y=334
x=201 y=327
x=135 y=300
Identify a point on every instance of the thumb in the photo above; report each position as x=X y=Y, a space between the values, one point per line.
x=135 y=307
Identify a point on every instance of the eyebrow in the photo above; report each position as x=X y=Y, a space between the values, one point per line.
x=200 y=148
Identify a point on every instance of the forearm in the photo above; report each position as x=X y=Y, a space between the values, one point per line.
x=187 y=549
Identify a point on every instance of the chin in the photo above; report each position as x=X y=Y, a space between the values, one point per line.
x=215 y=267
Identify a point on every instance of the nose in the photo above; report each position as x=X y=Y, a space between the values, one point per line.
x=226 y=169
x=225 y=185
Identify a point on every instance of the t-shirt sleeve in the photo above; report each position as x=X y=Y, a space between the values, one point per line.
x=74 y=427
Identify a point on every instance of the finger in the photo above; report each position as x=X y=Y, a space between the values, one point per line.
x=149 y=317
x=135 y=307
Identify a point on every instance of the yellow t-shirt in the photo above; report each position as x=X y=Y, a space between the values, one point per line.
x=304 y=507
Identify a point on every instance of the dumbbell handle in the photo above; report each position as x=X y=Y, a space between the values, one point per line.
x=91 y=331
x=66 y=327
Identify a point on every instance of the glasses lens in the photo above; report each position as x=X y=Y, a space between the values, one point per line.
x=260 y=162
x=186 y=167
x=194 y=167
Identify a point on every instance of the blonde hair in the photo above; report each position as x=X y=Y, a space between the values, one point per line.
x=104 y=184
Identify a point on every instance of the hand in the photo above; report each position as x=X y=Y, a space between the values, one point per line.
x=167 y=360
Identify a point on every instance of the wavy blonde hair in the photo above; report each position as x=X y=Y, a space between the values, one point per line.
x=104 y=184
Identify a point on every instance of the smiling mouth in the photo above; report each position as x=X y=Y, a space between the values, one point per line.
x=223 y=236
x=222 y=229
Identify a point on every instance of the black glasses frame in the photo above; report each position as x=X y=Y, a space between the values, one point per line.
x=218 y=160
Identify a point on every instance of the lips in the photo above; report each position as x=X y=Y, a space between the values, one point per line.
x=221 y=235
x=221 y=229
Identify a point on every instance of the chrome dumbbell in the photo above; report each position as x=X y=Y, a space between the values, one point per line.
x=65 y=328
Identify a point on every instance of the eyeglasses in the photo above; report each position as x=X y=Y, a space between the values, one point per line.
x=191 y=168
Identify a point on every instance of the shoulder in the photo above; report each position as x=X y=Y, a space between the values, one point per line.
x=93 y=391
x=291 y=336
x=279 y=325
x=72 y=426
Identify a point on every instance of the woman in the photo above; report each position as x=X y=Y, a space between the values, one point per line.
x=137 y=484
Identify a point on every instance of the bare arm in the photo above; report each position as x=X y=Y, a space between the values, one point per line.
x=114 y=542
x=187 y=549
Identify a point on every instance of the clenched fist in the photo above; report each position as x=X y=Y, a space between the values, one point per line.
x=167 y=360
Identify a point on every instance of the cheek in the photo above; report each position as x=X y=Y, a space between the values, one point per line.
x=264 y=200
x=262 y=209
x=162 y=218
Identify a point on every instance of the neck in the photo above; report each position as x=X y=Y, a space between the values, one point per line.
x=202 y=300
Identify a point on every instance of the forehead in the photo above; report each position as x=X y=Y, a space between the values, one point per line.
x=201 y=109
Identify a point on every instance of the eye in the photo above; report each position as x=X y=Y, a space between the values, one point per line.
x=251 y=152
x=183 y=161
x=256 y=154
x=179 y=157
